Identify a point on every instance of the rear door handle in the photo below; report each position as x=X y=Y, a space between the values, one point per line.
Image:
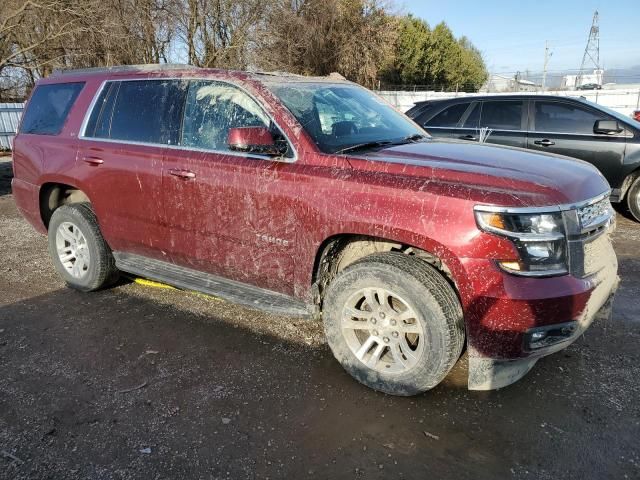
x=95 y=161
x=545 y=143
x=185 y=174
x=468 y=137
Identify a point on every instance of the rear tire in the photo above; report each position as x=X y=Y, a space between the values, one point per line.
x=394 y=323
x=79 y=252
x=633 y=199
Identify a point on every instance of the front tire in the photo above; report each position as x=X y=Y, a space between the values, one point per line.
x=394 y=323
x=633 y=199
x=80 y=255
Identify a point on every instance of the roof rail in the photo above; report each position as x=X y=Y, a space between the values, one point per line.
x=149 y=67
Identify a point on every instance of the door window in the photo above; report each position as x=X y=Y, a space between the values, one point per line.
x=502 y=115
x=473 y=118
x=148 y=111
x=449 y=117
x=564 y=117
x=212 y=109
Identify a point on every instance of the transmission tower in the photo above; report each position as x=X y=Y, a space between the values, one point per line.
x=592 y=50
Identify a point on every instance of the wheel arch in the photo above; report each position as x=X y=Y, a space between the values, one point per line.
x=54 y=194
x=341 y=250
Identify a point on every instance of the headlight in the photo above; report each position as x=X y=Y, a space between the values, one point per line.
x=539 y=238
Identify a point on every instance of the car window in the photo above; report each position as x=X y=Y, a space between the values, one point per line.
x=449 y=117
x=213 y=108
x=339 y=116
x=564 y=117
x=501 y=115
x=99 y=123
x=473 y=118
x=48 y=108
x=148 y=111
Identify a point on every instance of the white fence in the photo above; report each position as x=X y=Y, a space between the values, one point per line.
x=623 y=101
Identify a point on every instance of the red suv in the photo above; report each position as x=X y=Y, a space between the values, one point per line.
x=309 y=196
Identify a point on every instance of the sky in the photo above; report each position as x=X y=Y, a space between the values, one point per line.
x=511 y=34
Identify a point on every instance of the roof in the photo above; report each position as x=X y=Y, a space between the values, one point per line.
x=521 y=95
x=184 y=69
x=10 y=114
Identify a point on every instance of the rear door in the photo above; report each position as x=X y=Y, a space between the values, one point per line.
x=120 y=160
x=566 y=127
x=444 y=122
x=504 y=122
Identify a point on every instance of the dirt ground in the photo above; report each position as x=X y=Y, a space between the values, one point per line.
x=150 y=383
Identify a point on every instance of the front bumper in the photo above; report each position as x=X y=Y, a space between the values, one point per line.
x=490 y=374
x=502 y=320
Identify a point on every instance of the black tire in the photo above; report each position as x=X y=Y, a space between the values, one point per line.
x=101 y=271
x=633 y=199
x=431 y=297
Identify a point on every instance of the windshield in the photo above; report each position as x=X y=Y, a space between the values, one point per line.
x=339 y=117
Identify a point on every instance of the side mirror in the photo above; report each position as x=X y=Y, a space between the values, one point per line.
x=607 y=127
x=253 y=140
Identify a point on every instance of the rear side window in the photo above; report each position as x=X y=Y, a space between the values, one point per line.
x=48 y=108
x=449 y=117
x=502 y=115
x=146 y=111
x=564 y=117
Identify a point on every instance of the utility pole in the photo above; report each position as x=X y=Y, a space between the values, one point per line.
x=547 y=55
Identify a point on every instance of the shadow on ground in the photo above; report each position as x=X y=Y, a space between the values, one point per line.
x=112 y=385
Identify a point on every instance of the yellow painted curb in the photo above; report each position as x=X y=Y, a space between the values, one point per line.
x=150 y=283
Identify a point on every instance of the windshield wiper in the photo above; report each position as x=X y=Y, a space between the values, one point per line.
x=364 y=146
x=416 y=137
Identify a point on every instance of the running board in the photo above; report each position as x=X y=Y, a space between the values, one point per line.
x=231 y=290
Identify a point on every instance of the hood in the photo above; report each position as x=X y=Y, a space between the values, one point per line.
x=519 y=177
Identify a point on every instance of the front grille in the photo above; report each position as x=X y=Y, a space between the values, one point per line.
x=588 y=239
x=595 y=215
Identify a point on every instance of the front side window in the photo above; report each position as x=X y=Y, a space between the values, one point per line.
x=340 y=116
x=449 y=117
x=564 y=118
x=48 y=108
x=213 y=108
x=502 y=115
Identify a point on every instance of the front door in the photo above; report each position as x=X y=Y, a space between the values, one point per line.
x=229 y=213
x=567 y=128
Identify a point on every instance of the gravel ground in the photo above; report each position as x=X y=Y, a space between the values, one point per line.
x=151 y=383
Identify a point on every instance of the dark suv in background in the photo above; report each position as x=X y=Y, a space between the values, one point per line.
x=567 y=126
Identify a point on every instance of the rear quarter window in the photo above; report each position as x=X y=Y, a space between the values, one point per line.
x=48 y=108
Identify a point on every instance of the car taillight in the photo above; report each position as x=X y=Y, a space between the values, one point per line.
x=636 y=115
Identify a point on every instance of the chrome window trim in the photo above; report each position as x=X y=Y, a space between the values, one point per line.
x=543 y=209
x=87 y=115
x=532 y=132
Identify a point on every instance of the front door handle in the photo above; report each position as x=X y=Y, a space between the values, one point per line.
x=185 y=174
x=468 y=137
x=94 y=161
x=545 y=143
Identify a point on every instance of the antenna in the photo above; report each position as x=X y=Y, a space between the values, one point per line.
x=592 y=50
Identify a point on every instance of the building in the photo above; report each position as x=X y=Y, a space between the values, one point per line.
x=9 y=120
x=571 y=82
x=500 y=83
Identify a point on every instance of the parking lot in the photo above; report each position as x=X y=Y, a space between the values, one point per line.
x=145 y=382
